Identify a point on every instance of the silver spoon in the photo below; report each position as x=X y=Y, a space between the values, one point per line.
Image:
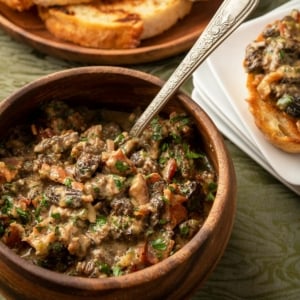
x=227 y=18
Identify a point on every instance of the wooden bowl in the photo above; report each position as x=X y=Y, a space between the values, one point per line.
x=176 y=277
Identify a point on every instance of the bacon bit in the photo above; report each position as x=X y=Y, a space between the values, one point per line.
x=297 y=17
x=260 y=38
x=140 y=256
x=35 y=202
x=59 y=174
x=173 y=198
x=77 y=185
x=7 y=174
x=178 y=214
x=24 y=203
x=151 y=256
x=169 y=170
x=153 y=177
x=13 y=236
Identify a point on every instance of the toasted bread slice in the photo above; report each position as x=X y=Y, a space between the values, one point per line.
x=273 y=81
x=157 y=16
x=281 y=129
x=19 y=5
x=113 y=24
x=93 y=26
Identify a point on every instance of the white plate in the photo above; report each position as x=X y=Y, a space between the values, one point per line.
x=226 y=65
x=213 y=98
x=244 y=146
x=210 y=97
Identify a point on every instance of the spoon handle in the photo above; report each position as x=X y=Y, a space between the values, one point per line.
x=227 y=18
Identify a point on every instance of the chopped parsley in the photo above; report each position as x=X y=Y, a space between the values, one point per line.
x=119 y=182
x=105 y=268
x=183 y=119
x=68 y=182
x=8 y=204
x=69 y=200
x=101 y=220
x=121 y=166
x=117 y=271
x=159 y=244
x=157 y=129
x=184 y=230
x=119 y=139
x=2 y=229
x=56 y=216
x=283 y=102
x=212 y=189
x=23 y=215
x=191 y=154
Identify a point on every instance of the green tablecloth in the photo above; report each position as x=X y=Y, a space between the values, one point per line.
x=262 y=260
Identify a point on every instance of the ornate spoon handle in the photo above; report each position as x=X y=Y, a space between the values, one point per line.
x=227 y=18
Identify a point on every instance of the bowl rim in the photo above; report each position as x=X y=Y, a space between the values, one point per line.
x=168 y=264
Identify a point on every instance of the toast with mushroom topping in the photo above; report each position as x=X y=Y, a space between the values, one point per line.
x=272 y=62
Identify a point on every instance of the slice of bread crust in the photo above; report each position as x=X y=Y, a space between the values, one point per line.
x=157 y=15
x=113 y=24
x=19 y=5
x=281 y=129
x=93 y=26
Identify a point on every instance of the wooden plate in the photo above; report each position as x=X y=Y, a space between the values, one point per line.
x=28 y=28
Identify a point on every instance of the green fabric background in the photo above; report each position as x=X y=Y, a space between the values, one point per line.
x=262 y=260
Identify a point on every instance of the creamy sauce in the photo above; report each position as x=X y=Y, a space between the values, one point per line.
x=81 y=197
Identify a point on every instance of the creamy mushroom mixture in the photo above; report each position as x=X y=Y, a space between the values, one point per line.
x=81 y=197
x=274 y=59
